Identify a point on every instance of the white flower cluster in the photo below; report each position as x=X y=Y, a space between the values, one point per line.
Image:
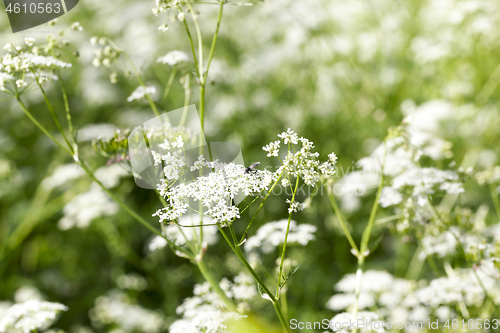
x=423 y=183
x=377 y=287
x=131 y=281
x=417 y=137
x=399 y=300
x=206 y=313
x=62 y=175
x=105 y=55
x=19 y=63
x=141 y=92
x=31 y=315
x=301 y=163
x=173 y=58
x=215 y=191
x=272 y=234
x=86 y=207
x=117 y=308
x=174 y=161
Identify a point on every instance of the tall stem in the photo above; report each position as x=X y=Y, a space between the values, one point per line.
x=363 y=250
x=43 y=129
x=255 y=276
x=342 y=221
x=286 y=239
x=169 y=85
x=260 y=207
x=215 y=286
x=496 y=201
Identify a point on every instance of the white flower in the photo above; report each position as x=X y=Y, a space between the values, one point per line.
x=173 y=58
x=4 y=77
x=157 y=243
x=110 y=176
x=295 y=206
x=289 y=137
x=29 y=41
x=141 y=92
x=76 y=26
x=215 y=191
x=131 y=281
x=272 y=148
x=117 y=308
x=21 y=83
x=390 y=197
x=302 y=163
x=163 y=28
x=272 y=234
x=205 y=312
x=31 y=315
x=63 y=174
x=86 y=207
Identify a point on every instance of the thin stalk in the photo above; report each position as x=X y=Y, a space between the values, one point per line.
x=260 y=207
x=286 y=239
x=53 y=114
x=415 y=265
x=187 y=93
x=342 y=222
x=43 y=129
x=200 y=41
x=192 y=44
x=365 y=239
x=169 y=85
x=257 y=279
x=215 y=286
x=66 y=107
x=494 y=197
x=214 y=41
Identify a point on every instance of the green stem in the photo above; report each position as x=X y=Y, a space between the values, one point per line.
x=286 y=239
x=260 y=207
x=215 y=286
x=342 y=221
x=363 y=253
x=53 y=114
x=214 y=41
x=200 y=41
x=30 y=116
x=192 y=44
x=256 y=277
x=66 y=107
x=494 y=197
x=169 y=85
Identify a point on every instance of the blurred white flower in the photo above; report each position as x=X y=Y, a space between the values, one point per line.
x=141 y=92
x=272 y=234
x=86 y=207
x=117 y=308
x=31 y=315
x=173 y=58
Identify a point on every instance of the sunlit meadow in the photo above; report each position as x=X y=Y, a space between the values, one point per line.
x=257 y=166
